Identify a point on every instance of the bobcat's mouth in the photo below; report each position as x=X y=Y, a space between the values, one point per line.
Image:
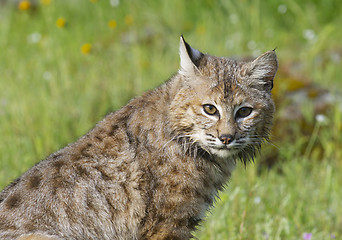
x=223 y=148
x=217 y=148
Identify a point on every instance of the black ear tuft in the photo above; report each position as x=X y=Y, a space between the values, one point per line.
x=189 y=57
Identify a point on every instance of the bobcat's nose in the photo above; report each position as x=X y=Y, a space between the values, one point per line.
x=226 y=138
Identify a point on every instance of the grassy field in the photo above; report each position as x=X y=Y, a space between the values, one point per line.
x=66 y=64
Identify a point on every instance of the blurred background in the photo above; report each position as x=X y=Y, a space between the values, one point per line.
x=65 y=64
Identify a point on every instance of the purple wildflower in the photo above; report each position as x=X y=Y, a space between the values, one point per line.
x=307 y=236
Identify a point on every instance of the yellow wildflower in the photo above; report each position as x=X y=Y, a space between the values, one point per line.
x=200 y=29
x=24 y=5
x=145 y=64
x=129 y=20
x=187 y=26
x=112 y=24
x=45 y=2
x=93 y=1
x=60 y=22
x=86 y=48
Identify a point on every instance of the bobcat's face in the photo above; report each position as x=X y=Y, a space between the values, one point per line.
x=224 y=107
x=224 y=125
x=234 y=130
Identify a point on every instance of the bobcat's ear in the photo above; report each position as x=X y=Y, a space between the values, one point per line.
x=261 y=72
x=188 y=58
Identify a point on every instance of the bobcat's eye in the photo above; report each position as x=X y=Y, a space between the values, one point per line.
x=210 y=109
x=243 y=112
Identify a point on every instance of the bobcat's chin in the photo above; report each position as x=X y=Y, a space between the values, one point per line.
x=224 y=153
x=225 y=157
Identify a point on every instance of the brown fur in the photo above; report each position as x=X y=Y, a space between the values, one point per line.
x=151 y=169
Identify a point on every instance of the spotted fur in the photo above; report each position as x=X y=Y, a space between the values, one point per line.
x=153 y=168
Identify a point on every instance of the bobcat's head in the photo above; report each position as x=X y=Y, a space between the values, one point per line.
x=223 y=107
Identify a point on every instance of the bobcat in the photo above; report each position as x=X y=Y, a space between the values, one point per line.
x=151 y=169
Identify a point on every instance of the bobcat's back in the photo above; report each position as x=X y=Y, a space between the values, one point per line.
x=151 y=169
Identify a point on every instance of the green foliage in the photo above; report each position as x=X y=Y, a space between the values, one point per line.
x=52 y=92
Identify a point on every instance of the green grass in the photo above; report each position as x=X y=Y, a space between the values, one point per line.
x=51 y=93
x=303 y=199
